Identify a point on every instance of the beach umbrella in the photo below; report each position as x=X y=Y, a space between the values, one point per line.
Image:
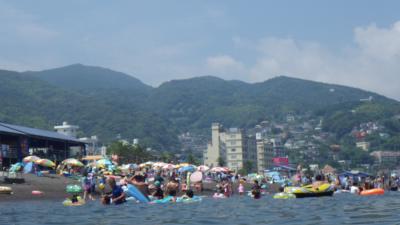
x=128 y=166
x=203 y=168
x=103 y=162
x=72 y=162
x=196 y=177
x=177 y=166
x=45 y=163
x=188 y=168
x=146 y=164
x=159 y=164
x=73 y=189
x=31 y=158
x=220 y=170
x=168 y=167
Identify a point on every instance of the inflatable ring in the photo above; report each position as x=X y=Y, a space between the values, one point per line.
x=5 y=190
x=36 y=192
x=68 y=202
x=375 y=191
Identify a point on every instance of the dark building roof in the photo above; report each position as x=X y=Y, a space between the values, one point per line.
x=8 y=130
x=21 y=130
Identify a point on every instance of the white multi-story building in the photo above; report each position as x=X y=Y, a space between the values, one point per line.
x=216 y=148
x=231 y=146
x=67 y=129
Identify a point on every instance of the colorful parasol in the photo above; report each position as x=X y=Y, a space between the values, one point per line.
x=31 y=158
x=146 y=164
x=103 y=162
x=45 y=163
x=220 y=170
x=159 y=164
x=169 y=167
x=189 y=168
x=203 y=168
x=72 y=162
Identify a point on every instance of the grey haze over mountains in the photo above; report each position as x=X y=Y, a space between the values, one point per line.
x=106 y=103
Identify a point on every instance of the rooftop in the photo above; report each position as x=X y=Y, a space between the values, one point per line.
x=21 y=130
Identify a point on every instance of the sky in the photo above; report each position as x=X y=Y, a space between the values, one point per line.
x=354 y=43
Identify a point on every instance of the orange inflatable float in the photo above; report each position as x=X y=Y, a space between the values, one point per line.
x=375 y=191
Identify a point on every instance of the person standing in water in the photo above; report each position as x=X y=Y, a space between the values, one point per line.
x=117 y=195
x=241 y=187
x=256 y=190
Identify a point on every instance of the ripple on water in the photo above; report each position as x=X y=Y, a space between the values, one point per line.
x=340 y=209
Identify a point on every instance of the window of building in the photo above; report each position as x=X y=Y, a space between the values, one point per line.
x=233 y=142
x=233 y=157
x=233 y=150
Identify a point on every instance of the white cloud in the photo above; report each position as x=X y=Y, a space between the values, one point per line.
x=225 y=66
x=22 y=25
x=373 y=63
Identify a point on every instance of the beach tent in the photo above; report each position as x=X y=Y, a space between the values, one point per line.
x=355 y=175
x=328 y=170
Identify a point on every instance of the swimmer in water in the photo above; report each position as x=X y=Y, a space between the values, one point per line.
x=189 y=194
x=256 y=190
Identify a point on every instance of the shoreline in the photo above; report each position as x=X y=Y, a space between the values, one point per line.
x=53 y=188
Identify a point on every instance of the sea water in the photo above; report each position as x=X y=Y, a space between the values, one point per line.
x=340 y=209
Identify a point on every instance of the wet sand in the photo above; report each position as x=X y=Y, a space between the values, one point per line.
x=52 y=186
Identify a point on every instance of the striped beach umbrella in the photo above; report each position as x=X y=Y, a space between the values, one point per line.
x=203 y=168
x=72 y=162
x=103 y=162
x=31 y=158
x=45 y=163
x=169 y=167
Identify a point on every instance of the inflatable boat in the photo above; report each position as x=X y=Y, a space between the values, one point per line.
x=375 y=191
x=310 y=191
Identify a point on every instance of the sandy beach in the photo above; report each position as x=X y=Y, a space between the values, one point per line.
x=52 y=186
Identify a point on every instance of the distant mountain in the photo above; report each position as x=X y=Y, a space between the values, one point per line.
x=195 y=103
x=106 y=103
x=81 y=77
x=27 y=100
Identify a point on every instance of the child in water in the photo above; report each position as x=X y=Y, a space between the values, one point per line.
x=74 y=198
x=219 y=193
x=158 y=193
x=241 y=187
x=189 y=194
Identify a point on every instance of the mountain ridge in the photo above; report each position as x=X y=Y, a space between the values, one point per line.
x=121 y=104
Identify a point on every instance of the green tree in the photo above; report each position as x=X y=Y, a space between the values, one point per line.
x=221 y=161
x=192 y=160
x=129 y=153
x=248 y=167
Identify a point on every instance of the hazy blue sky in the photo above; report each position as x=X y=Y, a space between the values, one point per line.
x=356 y=43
